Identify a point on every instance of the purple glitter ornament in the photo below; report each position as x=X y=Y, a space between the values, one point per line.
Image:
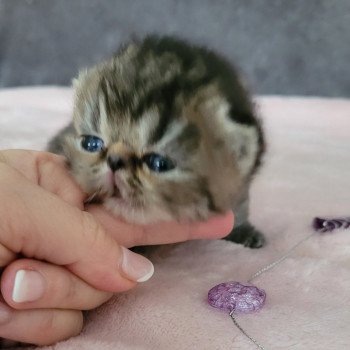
x=328 y=225
x=234 y=296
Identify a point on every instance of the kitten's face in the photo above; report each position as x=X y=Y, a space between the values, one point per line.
x=148 y=146
x=144 y=178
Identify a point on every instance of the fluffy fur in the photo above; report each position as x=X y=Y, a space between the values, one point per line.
x=164 y=96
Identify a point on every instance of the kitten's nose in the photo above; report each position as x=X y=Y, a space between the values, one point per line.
x=116 y=162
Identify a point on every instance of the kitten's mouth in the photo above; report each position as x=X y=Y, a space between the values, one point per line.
x=99 y=196
x=116 y=192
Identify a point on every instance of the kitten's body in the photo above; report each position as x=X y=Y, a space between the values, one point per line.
x=184 y=103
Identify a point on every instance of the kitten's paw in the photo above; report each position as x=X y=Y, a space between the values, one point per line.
x=247 y=235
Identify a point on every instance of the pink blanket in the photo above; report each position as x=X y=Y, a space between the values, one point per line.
x=306 y=173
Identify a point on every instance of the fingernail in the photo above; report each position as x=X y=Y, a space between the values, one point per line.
x=29 y=286
x=136 y=267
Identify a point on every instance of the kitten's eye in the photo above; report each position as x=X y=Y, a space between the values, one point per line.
x=158 y=163
x=92 y=143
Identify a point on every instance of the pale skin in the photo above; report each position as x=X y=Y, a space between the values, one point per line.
x=63 y=257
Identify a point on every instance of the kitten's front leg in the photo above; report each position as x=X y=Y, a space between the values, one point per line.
x=244 y=232
x=247 y=235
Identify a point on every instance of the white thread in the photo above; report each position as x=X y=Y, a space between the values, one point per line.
x=260 y=272
x=282 y=258
x=245 y=333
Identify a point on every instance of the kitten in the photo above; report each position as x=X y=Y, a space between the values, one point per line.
x=164 y=130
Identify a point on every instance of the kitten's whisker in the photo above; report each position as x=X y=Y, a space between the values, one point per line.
x=93 y=196
x=90 y=198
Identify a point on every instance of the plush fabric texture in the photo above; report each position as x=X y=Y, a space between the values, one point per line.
x=305 y=174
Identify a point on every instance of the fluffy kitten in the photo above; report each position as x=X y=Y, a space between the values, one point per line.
x=164 y=130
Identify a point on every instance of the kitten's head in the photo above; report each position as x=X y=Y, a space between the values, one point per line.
x=152 y=138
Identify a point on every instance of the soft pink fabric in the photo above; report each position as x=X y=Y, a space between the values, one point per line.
x=306 y=173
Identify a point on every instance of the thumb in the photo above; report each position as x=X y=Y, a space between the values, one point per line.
x=39 y=225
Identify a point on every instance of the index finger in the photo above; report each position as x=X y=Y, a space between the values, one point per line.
x=47 y=170
x=162 y=233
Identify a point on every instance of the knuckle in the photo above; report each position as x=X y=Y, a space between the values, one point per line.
x=45 y=167
x=53 y=174
x=46 y=164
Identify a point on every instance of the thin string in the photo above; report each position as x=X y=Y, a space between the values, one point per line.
x=261 y=271
x=244 y=332
x=282 y=258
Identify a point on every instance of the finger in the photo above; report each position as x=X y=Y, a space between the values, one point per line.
x=50 y=229
x=47 y=170
x=40 y=327
x=162 y=233
x=54 y=177
x=31 y=284
x=6 y=256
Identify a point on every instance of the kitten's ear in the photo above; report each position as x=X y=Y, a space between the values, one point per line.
x=76 y=82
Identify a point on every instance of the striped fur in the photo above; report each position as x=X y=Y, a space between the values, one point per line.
x=165 y=96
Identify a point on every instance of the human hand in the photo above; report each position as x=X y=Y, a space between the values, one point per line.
x=56 y=259
x=67 y=262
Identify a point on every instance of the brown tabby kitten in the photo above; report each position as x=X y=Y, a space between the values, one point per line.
x=164 y=130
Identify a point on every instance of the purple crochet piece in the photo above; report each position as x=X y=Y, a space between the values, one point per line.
x=234 y=296
x=328 y=225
